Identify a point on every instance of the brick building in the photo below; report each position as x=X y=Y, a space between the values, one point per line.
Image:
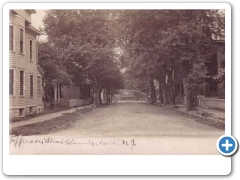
x=25 y=75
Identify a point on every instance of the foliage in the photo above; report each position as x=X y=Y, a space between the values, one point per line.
x=54 y=71
x=85 y=42
x=167 y=42
x=132 y=81
x=148 y=44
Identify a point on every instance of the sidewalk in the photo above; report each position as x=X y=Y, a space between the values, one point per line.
x=217 y=114
x=46 y=117
x=213 y=116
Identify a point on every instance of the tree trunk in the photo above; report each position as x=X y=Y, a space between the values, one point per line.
x=152 y=89
x=96 y=98
x=110 y=97
x=96 y=90
x=188 y=94
x=45 y=94
x=100 y=96
x=107 y=96
x=164 y=88
x=160 y=90
x=80 y=92
x=206 y=88
x=51 y=104
x=172 y=87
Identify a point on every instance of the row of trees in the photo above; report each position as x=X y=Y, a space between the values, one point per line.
x=81 y=46
x=104 y=46
x=168 y=44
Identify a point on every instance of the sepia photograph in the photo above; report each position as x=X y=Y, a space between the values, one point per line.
x=116 y=81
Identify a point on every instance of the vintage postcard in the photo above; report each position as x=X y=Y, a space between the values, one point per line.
x=119 y=79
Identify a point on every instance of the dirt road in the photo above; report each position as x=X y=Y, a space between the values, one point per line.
x=121 y=128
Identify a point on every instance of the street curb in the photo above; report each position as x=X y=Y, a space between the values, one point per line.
x=212 y=120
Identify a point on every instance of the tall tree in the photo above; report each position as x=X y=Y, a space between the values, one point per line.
x=173 y=42
x=86 y=41
x=54 y=71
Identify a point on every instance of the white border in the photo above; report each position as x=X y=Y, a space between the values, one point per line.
x=115 y=165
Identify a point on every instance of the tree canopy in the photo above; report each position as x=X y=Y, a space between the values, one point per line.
x=168 y=44
x=149 y=44
x=85 y=45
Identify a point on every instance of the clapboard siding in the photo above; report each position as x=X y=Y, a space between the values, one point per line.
x=24 y=14
x=21 y=61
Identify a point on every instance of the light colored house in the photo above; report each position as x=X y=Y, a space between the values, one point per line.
x=212 y=94
x=25 y=75
x=73 y=94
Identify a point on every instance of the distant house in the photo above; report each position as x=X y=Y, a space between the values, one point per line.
x=72 y=94
x=212 y=94
x=25 y=75
x=131 y=95
x=71 y=91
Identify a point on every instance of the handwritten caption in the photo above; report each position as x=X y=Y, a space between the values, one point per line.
x=19 y=141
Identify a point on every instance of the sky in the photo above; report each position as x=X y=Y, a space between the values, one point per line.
x=37 y=18
x=37 y=21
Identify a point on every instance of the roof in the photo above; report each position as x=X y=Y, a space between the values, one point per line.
x=31 y=11
x=24 y=13
x=33 y=30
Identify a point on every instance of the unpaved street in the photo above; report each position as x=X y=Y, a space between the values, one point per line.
x=120 y=128
x=137 y=119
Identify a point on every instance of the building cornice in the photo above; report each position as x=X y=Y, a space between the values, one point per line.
x=31 y=11
x=33 y=30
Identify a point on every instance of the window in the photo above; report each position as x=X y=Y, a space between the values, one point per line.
x=30 y=43
x=39 y=85
x=21 y=112
x=21 y=40
x=11 y=37
x=31 y=110
x=21 y=82
x=36 y=51
x=39 y=110
x=31 y=85
x=60 y=89
x=11 y=82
